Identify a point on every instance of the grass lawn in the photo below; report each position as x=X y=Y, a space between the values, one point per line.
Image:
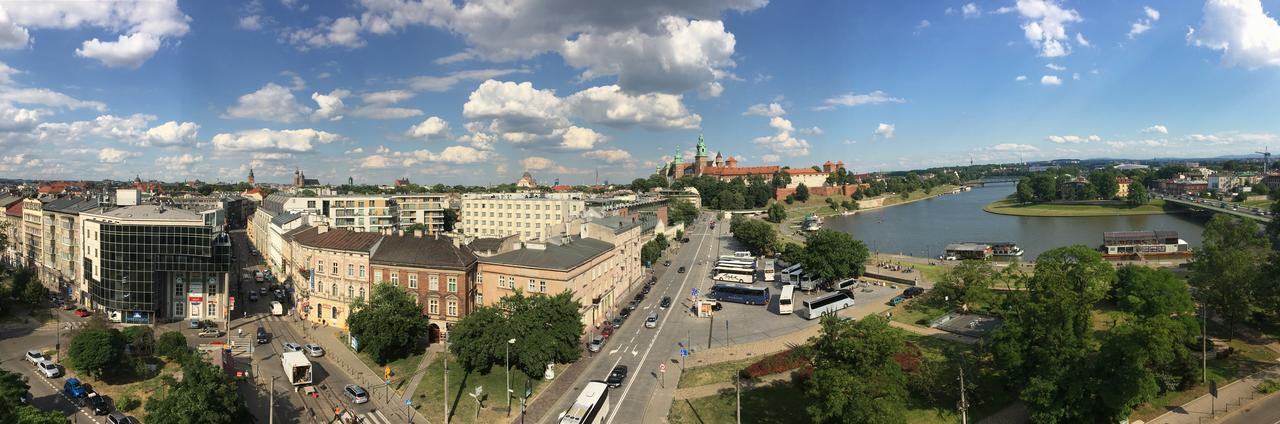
x=1008 y=207
x=427 y=398
x=1264 y=203
x=139 y=389
x=714 y=373
x=776 y=403
x=401 y=369
x=915 y=312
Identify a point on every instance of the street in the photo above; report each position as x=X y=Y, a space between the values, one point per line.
x=1265 y=411
x=45 y=392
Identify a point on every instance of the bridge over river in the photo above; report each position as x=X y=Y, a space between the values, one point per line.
x=1215 y=206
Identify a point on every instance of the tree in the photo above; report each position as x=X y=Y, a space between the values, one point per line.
x=389 y=325
x=831 y=255
x=1148 y=292
x=802 y=193
x=855 y=378
x=14 y=386
x=730 y=200
x=205 y=395
x=140 y=340
x=1138 y=195
x=833 y=204
x=756 y=235
x=477 y=340
x=1105 y=183
x=758 y=192
x=781 y=178
x=546 y=329
x=966 y=283
x=1024 y=194
x=95 y=351
x=776 y=213
x=1227 y=266
x=172 y=345
x=679 y=210
x=450 y=218
x=416 y=227
x=849 y=205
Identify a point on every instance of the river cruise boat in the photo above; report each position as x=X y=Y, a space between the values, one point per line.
x=963 y=251
x=1143 y=245
x=1005 y=248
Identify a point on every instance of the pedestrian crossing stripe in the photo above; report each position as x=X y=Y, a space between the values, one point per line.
x=374 y=417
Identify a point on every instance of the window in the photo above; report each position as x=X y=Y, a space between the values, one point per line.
x=178 y=291
x=195 y=309
x=351 y=292
x=361 y=272
x=333 y=290
x=542 y=286
x=334 y=312
x=479 y=298
x=453 y=307
x=213 y=310
x=377 y=276
x=395 y=277
x=453 y=283
x=532 y=285
x=502 y=281
x=433 y=306
x=413 y=281
x=320 y=267
x=335 y=268
x=178 y=309
x=479 y=279
x=213 y=288
x=351 y=270
x=433 y=282
x=362 y=292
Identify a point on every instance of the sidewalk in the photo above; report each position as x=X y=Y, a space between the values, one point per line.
x=391 y=404
x=1231 y=397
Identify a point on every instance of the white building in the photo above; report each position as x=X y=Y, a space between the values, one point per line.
x=529 y=215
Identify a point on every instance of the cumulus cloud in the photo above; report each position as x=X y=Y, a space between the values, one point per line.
x=452 y=155
x=430 y=128
x=578 y=138
x=1143 y=24
x=1044 y=24
x=1233 y=137
x=444 y=83
x=114 y=155
x=1242 y=30
x=1055 y=67
x=272 y=102
x=251 y=22
x=782 y=141
x=850 y=99
x=681 y=55
x=516 y=107
x=273 y=141
x=344 y=31
x=971 y=10
x=1156 y=129
x=178 y=163
x=771 y=109
x=771 y=158
x=883 y=131
x=15 y=119
x=329 y=107
x=608 y=155
x=1020 y=78
x=46 y=97
x=1072 y=139
x=388 y=96
x=1050 y=80
x=141 y=26
x=173 y=133
x=610 y=105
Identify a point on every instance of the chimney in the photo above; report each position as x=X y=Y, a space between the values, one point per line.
x=322 y=227
x=417 y=233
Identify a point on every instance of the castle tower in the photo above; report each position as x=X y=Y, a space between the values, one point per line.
x=719 y=160
x=298 y=179
x=700 y=156
x=251 y=182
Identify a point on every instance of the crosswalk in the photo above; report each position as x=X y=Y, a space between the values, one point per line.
x=373 y=417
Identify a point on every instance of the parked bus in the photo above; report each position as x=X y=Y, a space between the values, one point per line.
x=742 y=254
x=733 y=260
x=740 y=294
x=734 y=274
x=827 y=304
x=846 y=285
x=784 y=299
x=591 y=407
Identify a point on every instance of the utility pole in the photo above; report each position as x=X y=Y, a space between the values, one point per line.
x=710 y=327
x=271 y=402
x=1204 y=343
x=446 y=380
x=737 y=393
x=964 y=403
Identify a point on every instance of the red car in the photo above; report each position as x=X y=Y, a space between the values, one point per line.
x=82 y=312
x=607 y=331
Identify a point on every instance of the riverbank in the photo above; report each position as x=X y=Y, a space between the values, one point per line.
x=1082 y=209
x=818 y=206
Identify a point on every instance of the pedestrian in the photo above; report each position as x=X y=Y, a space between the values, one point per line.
x=239 y=332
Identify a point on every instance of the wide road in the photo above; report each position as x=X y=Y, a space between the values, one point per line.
x=45 y=392
x=1266 y=411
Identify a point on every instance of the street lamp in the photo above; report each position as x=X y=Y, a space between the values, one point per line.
x=508 y=346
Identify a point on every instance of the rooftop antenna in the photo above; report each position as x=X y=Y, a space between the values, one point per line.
x=1266 y=160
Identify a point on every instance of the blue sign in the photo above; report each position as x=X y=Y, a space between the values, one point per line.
x=694 y=291
x=684 y=352
x=408 y=401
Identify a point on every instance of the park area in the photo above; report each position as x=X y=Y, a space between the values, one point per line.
x=491 y=407
x=1083 y=208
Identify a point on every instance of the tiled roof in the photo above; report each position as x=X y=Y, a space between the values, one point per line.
x=7 y=201
x=337 y=239
x=422 y=252
x=743 y=171
x=486 y=244
x=562 y=257
x=72 y=205
x=804 y=171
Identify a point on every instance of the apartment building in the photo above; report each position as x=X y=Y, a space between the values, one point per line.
x=528 y=215
x=64 y=267
x=369 y=213
x=439 y=271
x=427 y=209
x=13 y=229
x=35 y=250
x=330 y=269
x=588 y=267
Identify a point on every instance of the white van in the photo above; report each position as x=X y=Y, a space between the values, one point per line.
x=277 y=308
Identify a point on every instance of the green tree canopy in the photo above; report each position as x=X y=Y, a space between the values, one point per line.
x=1138 y=195
x=172 y=345
x=1227 y=267
x=966 y=283
x=389 y=325
x=802 y=192
x=1149 y=292
x=205 y=396
x=546 y=329
x=855 y=378
x=680 y=210
x=776 y=213
x=757 y=236
x=831 y=255
x=95 y=351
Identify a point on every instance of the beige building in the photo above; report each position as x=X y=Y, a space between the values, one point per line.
x=329 y=269
x=529 y=216
x=624 y=232
x=13 y=229
x=425 y=209
x=370 y=213
x=63 y=268
x=36 y=250
x=588 y=267
x=438 y=271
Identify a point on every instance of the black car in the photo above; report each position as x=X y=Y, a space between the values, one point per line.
x=635 y=304
x=644 y=290
x=666 y=263
x=623 y=314
x=617 y=322
x=262 y=336
x=681 y=270
x=652 y=281
x=617 y=376
x=98 y=403
x=666 y=302
x=911 y=292
x=637 y=298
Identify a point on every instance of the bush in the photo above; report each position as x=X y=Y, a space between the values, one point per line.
x=1269 y=386
x=127 y=402
x=786 y=360
x=172 y=345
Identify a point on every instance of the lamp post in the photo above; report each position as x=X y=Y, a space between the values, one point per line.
x=509 y=343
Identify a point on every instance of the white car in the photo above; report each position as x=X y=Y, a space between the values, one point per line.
x=49 y=369
x=292 y=347
x=651 y=321
x=35 y=356
x=313 y=350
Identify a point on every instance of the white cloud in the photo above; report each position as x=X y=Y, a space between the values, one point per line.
x=1013 y=147
x=1143 y=24
x=516 y=107
x=329 y=107
x=1233 y=137
x=783 y=142
x=610 y=105
x=920 y=27
x=1152 y=14
x=273 y=141
x=771 y=109
x=380 y=111
x=608 y=155
x=1055 y=67
x=1156 y=129
x=343 y=31
x=811 y=131
x=444 y=83
x=141 y=26
x=1075 y=76
x=770 y=158
x=850 y=99
x=1044 y=26
x=114 y=155
x=173 y=133
x=1081 y=40
x=1020 y=78
x=970 y=10
x=578 y=138
x=133 y=129
x=536 y=163
x=883 y=131
x=272 y=102
x=452 y=155
x=1242 y=30
x=429 y=128
x=679 y=55
x=178 y=163
x=48 y=98
x=1072 y=139
x=251 y=22
x=1050 y=80
x=388 y=97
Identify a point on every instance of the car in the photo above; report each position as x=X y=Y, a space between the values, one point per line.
x=82 y=312
x=651 y=321
x=617 y=321
x=596 y=344
x=356 y=393
x=74 y=389
x=313 y=350
x=681 y=270
x=911 y=292
x=292 y=347
x=665 y=303
x=119 y=418
x=263 y=290
x=262 y=336
x=896 y=300
x=253 y=297
x=209 y=332
x=637 y=298
x=34 y=357
x=617 y=376
x=98 y=403
x=606 y=331
x=666 y=263
x=624 y=314
x=195 y=323
x=716 y=306
x=644 y=290
x=49 y=369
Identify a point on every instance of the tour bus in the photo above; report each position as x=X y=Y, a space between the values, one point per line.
x=784 y=299
x=846 y=285
x=591 y=407
x=827 y=304
x=742 y=254
x=733 y=260
x=740 y=294
x=734 y=274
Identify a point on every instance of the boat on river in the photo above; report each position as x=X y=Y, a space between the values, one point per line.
x=1005 y=249
x=1143 y=245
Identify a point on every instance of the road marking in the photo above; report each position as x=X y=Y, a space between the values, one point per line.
x=656 y=334
x=615 y=350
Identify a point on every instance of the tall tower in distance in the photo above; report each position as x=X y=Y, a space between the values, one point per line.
x=700 y=156
x=251 y=181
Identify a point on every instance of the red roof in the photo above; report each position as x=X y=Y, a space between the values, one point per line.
x=561 y=188
x=742 y=172
x=804 y=171
x=15 y=210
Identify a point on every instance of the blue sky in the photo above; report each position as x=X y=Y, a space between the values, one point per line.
x=480 y=91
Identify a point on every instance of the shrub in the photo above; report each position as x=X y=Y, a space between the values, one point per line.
x=127 y=402
x=172 y=345
x=1269 y=386
x=786 y=360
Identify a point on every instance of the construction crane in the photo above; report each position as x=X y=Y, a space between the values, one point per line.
x=1266 y=161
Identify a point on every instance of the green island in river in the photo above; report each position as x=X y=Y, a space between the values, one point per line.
x=1008 y=206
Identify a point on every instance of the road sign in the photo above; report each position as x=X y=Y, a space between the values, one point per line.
x=684 y=352
x=662 y=367
x=408 y=401
x=1213 y=387
x=694 y=291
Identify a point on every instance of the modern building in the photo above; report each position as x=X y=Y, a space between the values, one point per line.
x=150 y=263
x=368 y=213
x=585 y=266
x=1143 y=244
x=330 y=270
x=438 y=271
x=64 y=267
x=427 y=209
x=528 y=215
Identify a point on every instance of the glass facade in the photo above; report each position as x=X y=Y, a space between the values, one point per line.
x=145 y=268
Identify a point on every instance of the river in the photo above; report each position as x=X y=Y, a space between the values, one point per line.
x=924 y=228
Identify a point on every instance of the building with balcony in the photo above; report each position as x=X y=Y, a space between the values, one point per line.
x=439 y=272
x=369 y=213
x=65 y=266
x=588 y=267
x=13 y=229
x=427 y=209
x=329 y=269
x=530 y=216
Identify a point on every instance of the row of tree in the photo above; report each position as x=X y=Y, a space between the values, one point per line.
x=826 y=254
x=652 y=251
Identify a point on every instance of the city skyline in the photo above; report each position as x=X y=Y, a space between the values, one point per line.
x=475 y=93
